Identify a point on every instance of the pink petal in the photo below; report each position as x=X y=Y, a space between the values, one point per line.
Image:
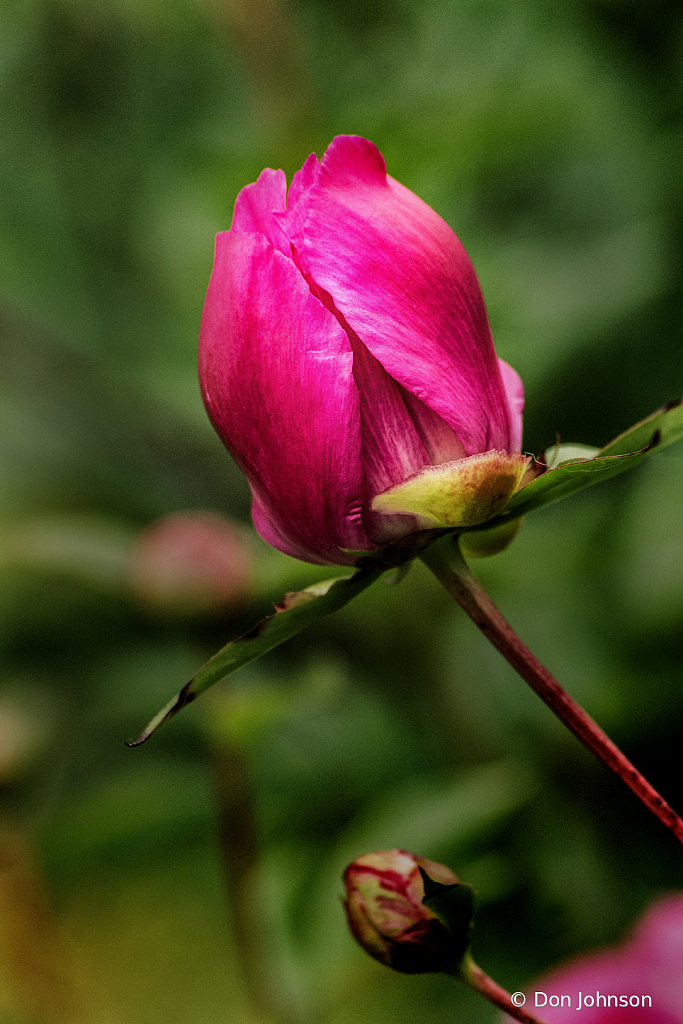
x=267 y=528
x=392 y=449
x=647 y=964
x=276 y=371
x=291 y=221
x=406 y=286
x=391 y=446
x=256 y=207
x=303 y=181
x=611 y=973
x=658 y=947
x=514 y=389
x=441 y=442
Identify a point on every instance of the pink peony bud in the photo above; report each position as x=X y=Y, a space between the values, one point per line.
x=639 y=982
x=191 y=562
x=346 y=361
x=384 y=894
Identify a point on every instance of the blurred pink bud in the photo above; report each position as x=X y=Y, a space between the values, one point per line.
x=191 y=562
x=384 y=893
x=346 y=361
x=639 y=982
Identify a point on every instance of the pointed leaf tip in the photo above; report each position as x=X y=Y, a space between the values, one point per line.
x=174 y=705
x=296 y=613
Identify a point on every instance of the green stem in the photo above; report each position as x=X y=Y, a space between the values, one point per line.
x=473 y=976
x=446 y=562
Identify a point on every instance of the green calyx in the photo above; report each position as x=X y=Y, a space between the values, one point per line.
x=454 y=905
x=456 y=494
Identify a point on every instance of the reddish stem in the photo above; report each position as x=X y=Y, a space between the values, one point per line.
x=473 y=975
x=446 y=562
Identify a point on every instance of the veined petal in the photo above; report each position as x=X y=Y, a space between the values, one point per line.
x=392 y=449
x=276 y=371
x=391 y=445
x=291 y=221
x=405 y=285
x=268 y=530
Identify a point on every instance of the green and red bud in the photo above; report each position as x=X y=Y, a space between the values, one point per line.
x=385 y=907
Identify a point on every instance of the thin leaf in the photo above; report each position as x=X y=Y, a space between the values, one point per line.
x=660 y=429
x=296 y=612
x=667 y=422
x=568 y=478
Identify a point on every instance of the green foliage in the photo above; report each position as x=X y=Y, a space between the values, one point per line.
x=300 y=610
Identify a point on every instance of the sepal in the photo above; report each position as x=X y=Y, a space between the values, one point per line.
x=454 y=905
x=456 y=494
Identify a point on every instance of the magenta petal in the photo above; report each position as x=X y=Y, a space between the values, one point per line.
x=276 y=371
x=649 y=963
x=391 y=445
x=303 y=181
x=392 y=449
x=440 y=441
x=268 y=530
x=406 y=286
x=658 y=947
x=256 y=209
x=514 y=389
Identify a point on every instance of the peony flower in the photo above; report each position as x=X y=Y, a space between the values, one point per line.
x=639 y=982
x=384 y=893
x=346 y=362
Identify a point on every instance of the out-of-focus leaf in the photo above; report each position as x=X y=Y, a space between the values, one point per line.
x=158 y=804
x=647 y=564
x=88 y=548
x=436 y=817
x=430 y=815
x=295 y=613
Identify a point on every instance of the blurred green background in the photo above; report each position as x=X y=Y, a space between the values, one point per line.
x=197 y=879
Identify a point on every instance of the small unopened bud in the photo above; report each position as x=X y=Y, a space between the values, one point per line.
x=191 y=562
x=385 y=907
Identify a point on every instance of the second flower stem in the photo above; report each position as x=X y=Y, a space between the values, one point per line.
x=477 y=979
x=448 y=565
